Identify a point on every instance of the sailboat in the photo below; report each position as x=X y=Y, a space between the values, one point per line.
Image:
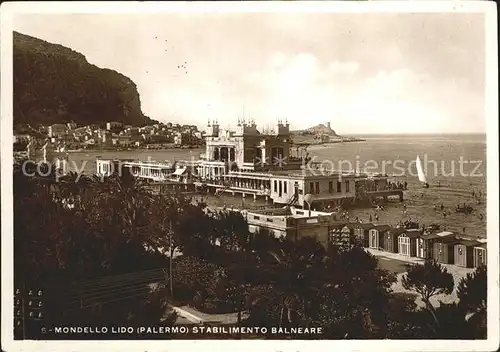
x=420 y=172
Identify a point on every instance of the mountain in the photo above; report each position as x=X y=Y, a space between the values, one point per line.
x=320 y=129
x=55 y=84
x=320 y=134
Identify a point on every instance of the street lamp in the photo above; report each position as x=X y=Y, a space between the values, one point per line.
x=308 y=198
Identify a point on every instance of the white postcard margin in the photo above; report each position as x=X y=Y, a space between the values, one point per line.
x=9 y=10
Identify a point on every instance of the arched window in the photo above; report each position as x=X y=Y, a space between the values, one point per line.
x=277 y=153
x=224 y=154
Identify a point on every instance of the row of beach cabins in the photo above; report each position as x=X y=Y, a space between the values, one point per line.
x=445 y=247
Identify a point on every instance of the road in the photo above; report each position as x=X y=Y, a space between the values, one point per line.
x=392 y=265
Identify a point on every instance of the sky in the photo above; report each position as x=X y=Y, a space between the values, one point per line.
x=362 y=72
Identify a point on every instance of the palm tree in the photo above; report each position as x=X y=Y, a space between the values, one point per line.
x=296 y=272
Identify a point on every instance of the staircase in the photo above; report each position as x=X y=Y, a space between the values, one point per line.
x=293 y=200
x=221 y=191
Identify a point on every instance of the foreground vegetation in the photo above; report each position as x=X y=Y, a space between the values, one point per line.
x=83 y=228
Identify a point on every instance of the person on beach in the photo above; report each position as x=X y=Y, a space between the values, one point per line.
x=376 y=217
x=442 y=206
x=404 y=206
x=435 y=207
x=444 y=215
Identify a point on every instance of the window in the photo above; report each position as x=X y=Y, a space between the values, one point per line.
x=339 y=186
x=275 y=186
x=311 y=187
x=269 y=220
x=330 y=186
x=317 y=187
x=285 y=187
x=347 y=186
x=256 y=217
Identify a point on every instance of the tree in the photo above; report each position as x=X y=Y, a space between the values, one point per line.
x=296 y=271
x=428 y=280
x=355 y=297
x=472 y=293
x=55 y=244
x=472 y=290
x=232 y=231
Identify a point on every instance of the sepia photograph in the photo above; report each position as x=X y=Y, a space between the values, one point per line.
x=273 y=171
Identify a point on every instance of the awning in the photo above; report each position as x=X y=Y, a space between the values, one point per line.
x=180 y=171
x=445 y=234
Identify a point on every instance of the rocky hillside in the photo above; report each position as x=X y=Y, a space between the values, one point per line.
x=321 y=129
x=55 y=84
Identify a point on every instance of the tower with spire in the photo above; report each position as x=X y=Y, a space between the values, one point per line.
x=282 y=128
x=212 y=128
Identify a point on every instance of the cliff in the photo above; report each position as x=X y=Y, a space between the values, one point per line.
x=55 y=84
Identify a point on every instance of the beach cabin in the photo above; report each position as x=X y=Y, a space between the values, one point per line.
x=349 y=228
x=464 y=253
x=390 y=242
x=375 y=236
x=425 y=245
x=479 y=255
x=422 y=244
x=408 y=243
x=443 y=248
x=362 y=232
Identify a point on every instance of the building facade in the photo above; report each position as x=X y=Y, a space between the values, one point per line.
x=292 y=223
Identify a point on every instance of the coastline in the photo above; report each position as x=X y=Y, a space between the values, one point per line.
x=336 y=141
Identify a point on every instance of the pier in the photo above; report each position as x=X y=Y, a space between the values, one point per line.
x=247 y=162
x=385 y=194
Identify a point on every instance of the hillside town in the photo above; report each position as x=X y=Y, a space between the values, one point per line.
x=110 y=135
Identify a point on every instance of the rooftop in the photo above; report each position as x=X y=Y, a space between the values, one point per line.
x=289 y=212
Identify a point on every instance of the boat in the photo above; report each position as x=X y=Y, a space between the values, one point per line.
x=421 y=174
x=465 y=208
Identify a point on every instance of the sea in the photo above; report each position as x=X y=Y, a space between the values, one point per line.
x=455 y=167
